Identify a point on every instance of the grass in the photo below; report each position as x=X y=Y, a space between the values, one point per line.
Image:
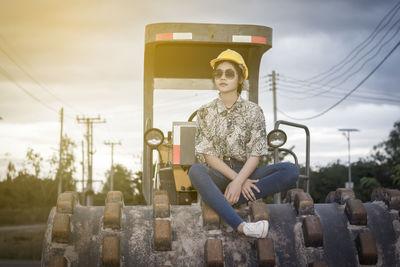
x=21 y=244
x=24 y=216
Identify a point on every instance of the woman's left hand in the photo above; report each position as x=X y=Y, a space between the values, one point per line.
x=246 y=189
x=232 y=192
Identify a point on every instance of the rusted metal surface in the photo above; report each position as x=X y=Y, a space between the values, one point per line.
x=312 y=229
x=213 y=253
x=356 y=212
x=66 y=202
x=111 y=251
x=304 y=203
x=211 y=219
x=61 y=228
x=115 y=196
x=343 y=194
x=366 y=246
x=390 y=196
x=259 y=211
x=188 y=237
x=265 y=252
x=162 y=235
x=112 y=215
x=161 y=205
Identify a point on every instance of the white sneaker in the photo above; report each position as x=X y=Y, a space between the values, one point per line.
x=257 y=229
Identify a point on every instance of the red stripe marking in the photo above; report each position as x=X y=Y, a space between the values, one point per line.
x=164 y=36
x=176 y=154
x=258 y=40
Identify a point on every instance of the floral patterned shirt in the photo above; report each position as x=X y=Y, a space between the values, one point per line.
x=236 y=133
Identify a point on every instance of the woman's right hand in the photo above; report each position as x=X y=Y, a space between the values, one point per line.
x=246 y=189
x=232 y=192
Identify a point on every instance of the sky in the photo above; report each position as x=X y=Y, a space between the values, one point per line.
x=87 y=57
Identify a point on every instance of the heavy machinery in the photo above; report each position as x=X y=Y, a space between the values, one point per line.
x=176 y=228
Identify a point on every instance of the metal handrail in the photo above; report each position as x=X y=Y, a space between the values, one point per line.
x=276 y=152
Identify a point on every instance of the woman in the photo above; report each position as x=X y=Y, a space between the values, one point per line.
x=230 y=138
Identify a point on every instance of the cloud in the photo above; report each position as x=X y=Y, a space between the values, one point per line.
x=90 y=55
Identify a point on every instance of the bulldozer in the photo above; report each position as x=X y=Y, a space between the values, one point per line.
x=176 y=228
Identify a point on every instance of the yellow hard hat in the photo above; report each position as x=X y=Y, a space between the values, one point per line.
x=232 y=56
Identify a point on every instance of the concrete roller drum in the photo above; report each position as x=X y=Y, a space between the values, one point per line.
x=345 y=232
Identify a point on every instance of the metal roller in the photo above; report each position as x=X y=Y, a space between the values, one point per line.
x=293 y=240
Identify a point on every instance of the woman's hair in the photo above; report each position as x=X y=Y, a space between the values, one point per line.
x=239 y=71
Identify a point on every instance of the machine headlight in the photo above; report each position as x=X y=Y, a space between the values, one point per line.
x=154 y=137
x=276 y=138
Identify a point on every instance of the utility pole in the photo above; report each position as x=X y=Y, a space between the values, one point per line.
x=273 y=79
x=112 y=144
x=60 y=167
x=83 y=166
x=277 y=196
x=349 y=184
x=89 y=140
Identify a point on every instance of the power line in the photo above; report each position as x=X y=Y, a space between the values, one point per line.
x=289 y=81
x=35 y=80
x=303 y=83
x=335 y=95
x=8 y=76
x=362 y=45
x=353 y=90
x=351 y=74
x=366 y=94
x=363 y=64
x=320 y=89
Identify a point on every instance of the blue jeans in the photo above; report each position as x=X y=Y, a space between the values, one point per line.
x=211 y=184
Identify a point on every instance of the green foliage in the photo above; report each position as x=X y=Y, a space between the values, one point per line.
x=67 y=164
x=126 y=182
x=327 y=179
x=21 y=244
x=369 y=182
x=34 y=160
x=366 y=186
x=396 y=176
x=26 y=191
x=11 y=171
x=24 y=216
x=387 y=156
x=388 y=152
x=382 y=169
x=269 y=158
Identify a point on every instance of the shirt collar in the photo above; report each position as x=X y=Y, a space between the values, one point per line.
x=221 y=106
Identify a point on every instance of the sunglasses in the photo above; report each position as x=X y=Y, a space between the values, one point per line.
x=229 y=74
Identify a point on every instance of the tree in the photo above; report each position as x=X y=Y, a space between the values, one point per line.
x=138 y=197
x=396 y=176
x=388 y=152
x=127 y=183
x=381 y=169
x=387 y=156
x=67 y=164
x=11 y=172
x=33 y=160
x=327 y=179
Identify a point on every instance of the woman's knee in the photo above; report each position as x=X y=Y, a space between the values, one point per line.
x=292 y=172
x=196 y=171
